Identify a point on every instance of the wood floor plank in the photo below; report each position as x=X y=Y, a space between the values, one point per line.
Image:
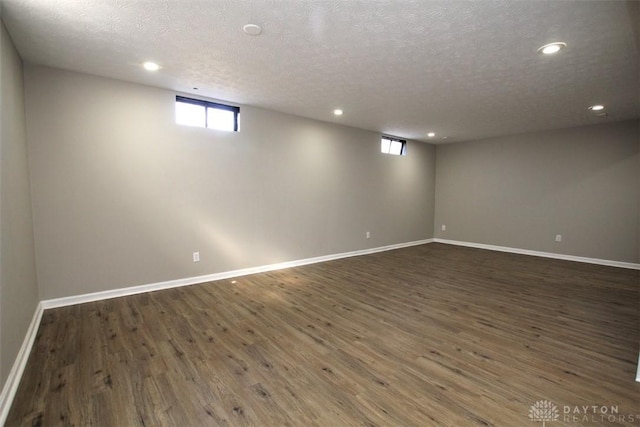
x=432 y=335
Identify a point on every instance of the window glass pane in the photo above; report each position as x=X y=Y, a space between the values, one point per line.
x=190 y=114
x=396 y=148
x=384 y=147
x=220 y=119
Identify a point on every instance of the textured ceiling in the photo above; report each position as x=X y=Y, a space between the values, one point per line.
x=467 y=70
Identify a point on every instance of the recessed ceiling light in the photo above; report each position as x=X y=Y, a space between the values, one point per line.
x=596 y=107
x=551 y=48
x=337 y=112
x=252 y=29
x=431 y=134
x=151 y=66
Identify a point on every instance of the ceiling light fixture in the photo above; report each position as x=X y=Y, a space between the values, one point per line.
x=252 y=29
x=337 y=112
x=151 y=66
x=431 y=134
x=596 y=107
x=551 y=48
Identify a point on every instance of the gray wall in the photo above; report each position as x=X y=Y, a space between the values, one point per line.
x=18 y=286
x=123 y=196
x=520 y=191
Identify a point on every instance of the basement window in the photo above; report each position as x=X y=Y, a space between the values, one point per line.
x=389 y=145
x=206 y=114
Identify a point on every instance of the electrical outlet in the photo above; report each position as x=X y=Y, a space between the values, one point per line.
x=196 y=257
x=443 y=227
x=558 y=237
x=368 y=235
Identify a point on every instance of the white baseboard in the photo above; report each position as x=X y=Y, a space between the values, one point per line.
x=115 y=293
x=13 y=380
x=97 y=296
x=598 y=261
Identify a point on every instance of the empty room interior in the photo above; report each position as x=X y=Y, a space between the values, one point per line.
x=319 y=213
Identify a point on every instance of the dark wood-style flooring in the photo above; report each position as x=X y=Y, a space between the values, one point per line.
x=432 y=335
